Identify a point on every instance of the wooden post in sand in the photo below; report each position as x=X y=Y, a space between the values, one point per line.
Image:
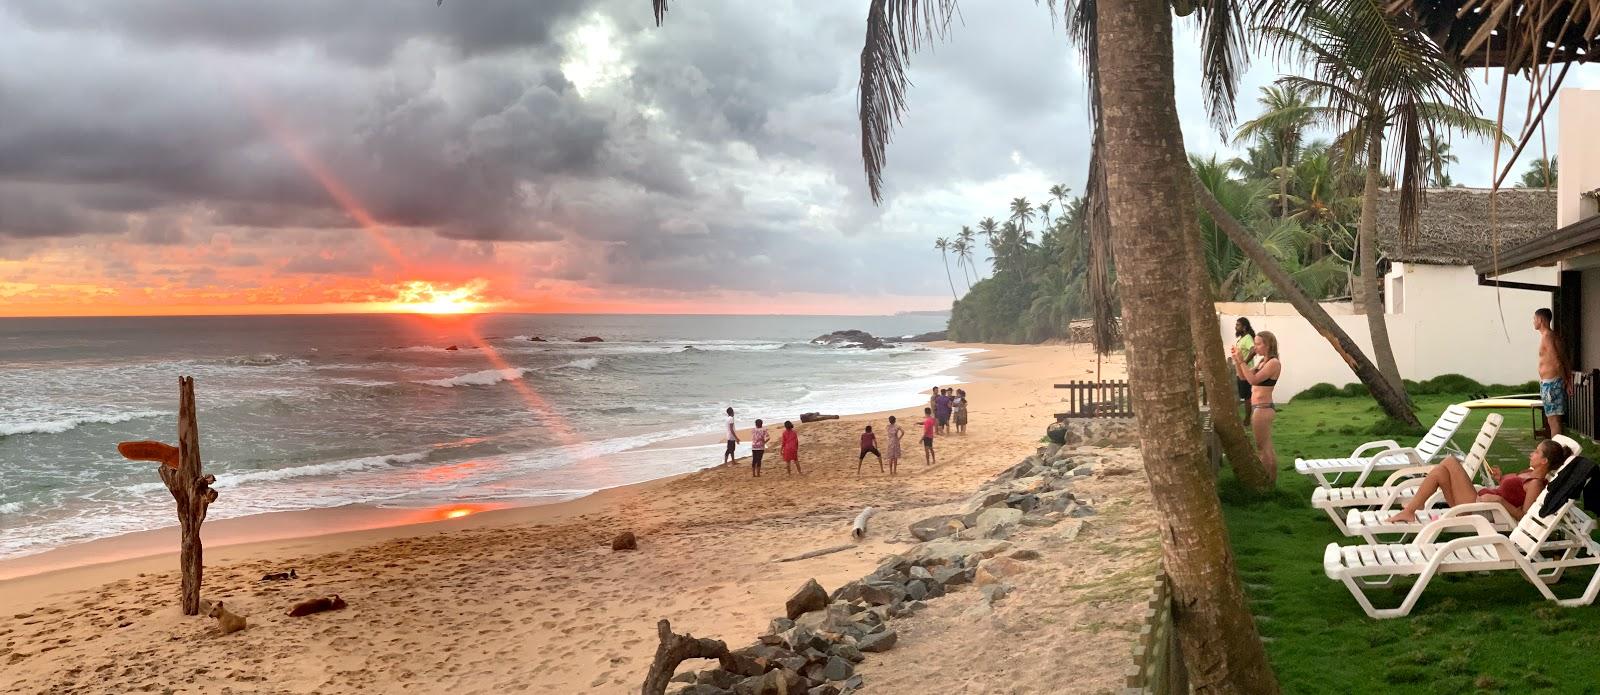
x=673 y=650
x=190 y=488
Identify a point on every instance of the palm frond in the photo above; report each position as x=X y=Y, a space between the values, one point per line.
x=895 y=30
x=660 y=7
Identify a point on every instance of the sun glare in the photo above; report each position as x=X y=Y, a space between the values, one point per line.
x=420 y=297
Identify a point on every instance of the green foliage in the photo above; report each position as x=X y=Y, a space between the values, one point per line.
x=1037 y=289
x=1456 y=384
x=1541 y=173
x=1469 y=632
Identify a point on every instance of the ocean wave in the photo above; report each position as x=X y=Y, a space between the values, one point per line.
x=58 y=426
x=10 y=508
x=365 y=463
x=264 y=359
x=585 y=364
x=487 y=377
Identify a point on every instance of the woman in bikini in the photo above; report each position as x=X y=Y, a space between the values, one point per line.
x=1262 y=378
x=1516 y=492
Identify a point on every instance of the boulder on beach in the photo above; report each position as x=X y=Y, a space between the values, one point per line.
x=452 y=348
x=590 y=339
x=850 y=339
x=536 y=339
x=816 y=417
x=929 y=337
x=625 y=541
x=809 y=598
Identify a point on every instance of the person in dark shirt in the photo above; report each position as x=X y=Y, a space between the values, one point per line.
x=869 y=445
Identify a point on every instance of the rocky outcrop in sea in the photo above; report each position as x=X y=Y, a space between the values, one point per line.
x=851 y=339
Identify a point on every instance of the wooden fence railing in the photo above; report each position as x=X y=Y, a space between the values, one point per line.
x=1096 y=399
x=1157 y=667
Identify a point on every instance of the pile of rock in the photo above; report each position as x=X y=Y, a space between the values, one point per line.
x=851 y=339
x=815 y=647
x=1108 y=432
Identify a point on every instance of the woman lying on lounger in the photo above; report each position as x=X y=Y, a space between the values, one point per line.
x=1516 y=492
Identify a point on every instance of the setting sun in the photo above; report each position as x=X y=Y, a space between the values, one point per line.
x=420 y=297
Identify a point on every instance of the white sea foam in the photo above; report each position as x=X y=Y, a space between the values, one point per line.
x=487 y=377
x=365 y=463
x=585 y=364
x=59 y=425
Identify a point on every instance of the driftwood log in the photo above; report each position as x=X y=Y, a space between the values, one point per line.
x=858 y=530
x=673 y=650
x=816 y=417
x=819 y=553
x=191 y=489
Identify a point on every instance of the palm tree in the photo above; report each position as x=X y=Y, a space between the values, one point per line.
x=968 y=240
x=1437 y=158
x=1541 y=173
x=963 y=251
x=1132 y=81
x=1374 y=72
x=1285 y=116
x=1044 y=212
x=1060 y=192
x=943 y=245
x=991 y=232
x=1021 y=214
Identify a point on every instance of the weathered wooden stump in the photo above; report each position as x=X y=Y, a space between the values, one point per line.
x=673 y=650
x=190 y=487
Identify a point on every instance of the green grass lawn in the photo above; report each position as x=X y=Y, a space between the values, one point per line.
x=1468 y=632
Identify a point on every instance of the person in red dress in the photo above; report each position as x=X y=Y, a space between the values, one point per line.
x=791 y=448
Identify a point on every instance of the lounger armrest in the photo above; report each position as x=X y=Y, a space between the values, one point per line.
x=1406 y=474
x=1495 y=509
x=1366 y=468
x=1378 y=445
x=1332 y=561
x=1478 y=524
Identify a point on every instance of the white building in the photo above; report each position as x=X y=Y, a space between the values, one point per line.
x=1441 y=318
x=1574 y=248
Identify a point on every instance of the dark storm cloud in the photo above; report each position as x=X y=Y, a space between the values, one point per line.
x=727 y=139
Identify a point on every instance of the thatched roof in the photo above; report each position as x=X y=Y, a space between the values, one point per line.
x=1454 y=228
x=1511 y=33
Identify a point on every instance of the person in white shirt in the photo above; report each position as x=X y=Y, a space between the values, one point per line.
x=758 y=448
x=733 y=440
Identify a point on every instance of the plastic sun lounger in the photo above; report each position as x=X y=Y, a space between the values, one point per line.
x=1541 y=548
x=1371 y=523
x=1387 y=454
x=1401 y=484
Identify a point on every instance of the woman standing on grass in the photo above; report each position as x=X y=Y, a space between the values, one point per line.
x=1263 y=377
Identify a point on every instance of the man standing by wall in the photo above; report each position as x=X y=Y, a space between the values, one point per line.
x=1553 y=372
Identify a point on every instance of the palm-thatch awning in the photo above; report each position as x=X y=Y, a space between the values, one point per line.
x=1513 y=34
x=1455 y=228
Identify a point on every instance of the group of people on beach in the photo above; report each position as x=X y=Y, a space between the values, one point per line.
x=943 y=406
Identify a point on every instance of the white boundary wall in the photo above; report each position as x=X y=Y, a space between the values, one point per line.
x=1449 y=324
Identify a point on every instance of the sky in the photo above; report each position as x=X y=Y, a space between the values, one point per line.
x=173 y=157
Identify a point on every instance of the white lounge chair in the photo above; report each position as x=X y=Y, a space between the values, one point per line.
x=1371 y=523
x=1401 y=484
x=1387 y=454
x=1541 y=548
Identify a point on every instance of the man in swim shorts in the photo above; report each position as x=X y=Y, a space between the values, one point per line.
x=1553 y=372
x=733 y=440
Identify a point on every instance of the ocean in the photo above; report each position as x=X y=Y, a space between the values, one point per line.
x=307 y=412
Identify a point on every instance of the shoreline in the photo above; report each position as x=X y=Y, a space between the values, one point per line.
x=371 y=522
x=529 y=597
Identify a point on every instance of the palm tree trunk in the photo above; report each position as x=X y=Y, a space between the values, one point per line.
x=1143 y=155
x=1217 y=378
x=1283 y=182
x=1370 y=296
x=947 y=277
x=1392 y=400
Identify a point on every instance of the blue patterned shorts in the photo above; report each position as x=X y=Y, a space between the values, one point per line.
x=1554 y=394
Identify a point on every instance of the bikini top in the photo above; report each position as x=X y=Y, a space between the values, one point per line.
x=1267 y=382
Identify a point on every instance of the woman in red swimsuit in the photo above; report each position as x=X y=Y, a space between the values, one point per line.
x=1516 y=492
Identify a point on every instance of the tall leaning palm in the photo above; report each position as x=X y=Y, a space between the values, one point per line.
x=1382 y=80
x=1060 y=193
x=943 y=245
x=1021 y=214
x=968 y=240
x=1285 y=117
x=991 y=232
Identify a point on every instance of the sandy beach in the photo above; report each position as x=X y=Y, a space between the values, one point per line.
x=534 y=598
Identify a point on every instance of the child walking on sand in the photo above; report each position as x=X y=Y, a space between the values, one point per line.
x=758 y=448
x=893 y=451
x=869 y=445
x=791 y=448
x=927 y=437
